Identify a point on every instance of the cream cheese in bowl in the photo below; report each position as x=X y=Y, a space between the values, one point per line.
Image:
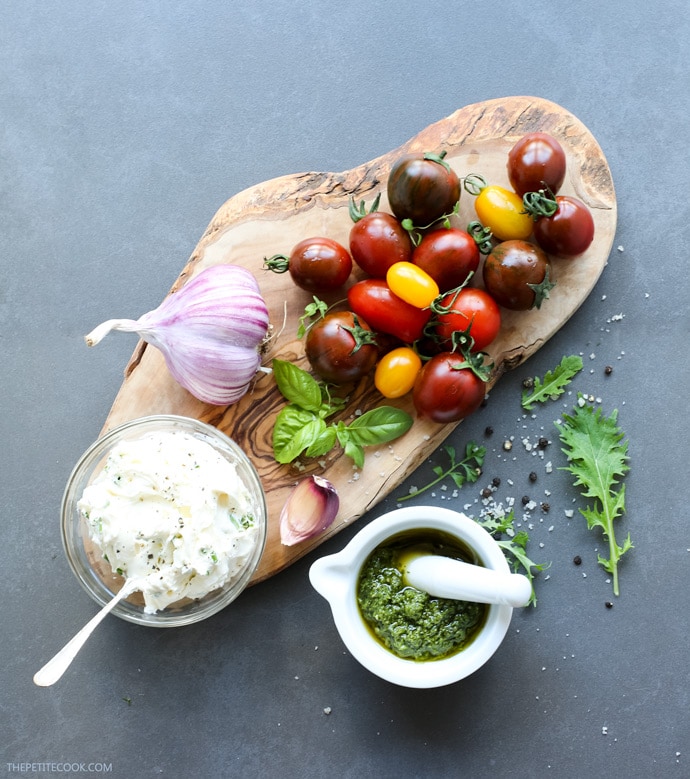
x=171 y=503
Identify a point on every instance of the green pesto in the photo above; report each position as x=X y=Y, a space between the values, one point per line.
x=410 y=623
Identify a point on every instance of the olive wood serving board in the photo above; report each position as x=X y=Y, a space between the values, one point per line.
x=271 y=217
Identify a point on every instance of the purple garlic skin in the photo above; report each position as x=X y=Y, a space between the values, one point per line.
x=310 y=509
x=210 y=333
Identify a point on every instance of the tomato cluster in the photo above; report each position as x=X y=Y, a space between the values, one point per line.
x=417 y=318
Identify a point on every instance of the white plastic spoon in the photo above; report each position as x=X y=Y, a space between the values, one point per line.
x=53 y=669
x=445 y=577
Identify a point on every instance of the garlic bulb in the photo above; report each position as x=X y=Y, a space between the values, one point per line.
x=310 y=508
x=209 y=332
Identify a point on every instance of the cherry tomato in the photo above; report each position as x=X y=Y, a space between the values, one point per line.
x=396 y=372
x=423 y=188
x=341 y=347
x=448 y=255
x=377 y=240
x=537 y=161
x=567 y=233
x=315 y=264
x=373 y=300
x=469 y=308
x=414 y=285
x=517 y=275
x=447 y=389
x=503 y=212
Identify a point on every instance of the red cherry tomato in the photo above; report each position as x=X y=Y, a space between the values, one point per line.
x=377 y=241
x=469 y=308
x=422 y=188
x=569 y=232
x=385 y=312
x=315 y=264
x=537 y=161
x=341 y=347
x=448 y=255
x=447 y=389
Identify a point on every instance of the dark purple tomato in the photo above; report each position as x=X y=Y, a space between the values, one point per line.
x=341 y=347
x=315 y=264
x=517 y=275
x=569 y=232
x=537 y=161
x=422 y=188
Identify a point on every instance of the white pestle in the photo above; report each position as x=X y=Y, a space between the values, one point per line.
x=444 y=577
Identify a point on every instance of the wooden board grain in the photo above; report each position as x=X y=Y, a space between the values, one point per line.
x=273 y=216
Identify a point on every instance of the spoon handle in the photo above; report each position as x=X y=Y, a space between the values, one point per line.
x=53 y=669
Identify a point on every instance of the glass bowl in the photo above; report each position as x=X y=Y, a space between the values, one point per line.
x=95 y=573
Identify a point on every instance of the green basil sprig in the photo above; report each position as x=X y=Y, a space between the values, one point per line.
x=301 y=426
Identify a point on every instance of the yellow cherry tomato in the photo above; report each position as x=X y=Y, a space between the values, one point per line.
x=414 y=285
x=502 y=211
x=396 y=372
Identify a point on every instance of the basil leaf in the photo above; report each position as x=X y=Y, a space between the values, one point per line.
x=351 y=447
x=296 y=385
x=294 y=431
x=379 y=425
x=323 y=444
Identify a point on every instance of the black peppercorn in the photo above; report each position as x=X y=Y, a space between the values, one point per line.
x=608 y=370
x=609 y=605
x=488 y=430
x=496 y=481
x=577 y=559
x=545 y=507
x=525 y=500
x=533 y=477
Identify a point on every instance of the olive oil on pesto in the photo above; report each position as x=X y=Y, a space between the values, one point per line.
x=410 y=623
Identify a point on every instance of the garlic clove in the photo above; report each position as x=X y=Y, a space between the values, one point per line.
x=310 y=508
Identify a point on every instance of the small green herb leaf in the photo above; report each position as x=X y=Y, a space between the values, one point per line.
x=297 y=385
x=315 y=308
x=598 y=459
x=554 y=383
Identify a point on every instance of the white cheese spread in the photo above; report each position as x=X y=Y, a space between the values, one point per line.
x=167 y=509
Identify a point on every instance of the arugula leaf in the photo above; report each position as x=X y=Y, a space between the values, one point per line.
x=598 y=459
x=553 y=384
x=466 y=470
x=297 y=385
x=514 y=547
